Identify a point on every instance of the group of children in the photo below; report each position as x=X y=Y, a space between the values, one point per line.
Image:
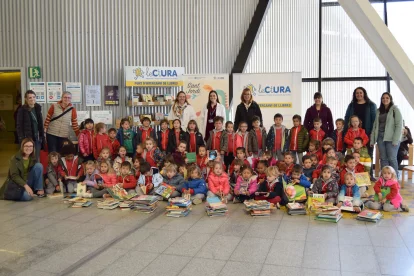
x=234 y=165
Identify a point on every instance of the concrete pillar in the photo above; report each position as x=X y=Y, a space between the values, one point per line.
x=383 y=43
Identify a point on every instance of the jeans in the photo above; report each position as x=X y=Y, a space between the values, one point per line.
x=388 y=153
x=34 y=181
x=54 y=143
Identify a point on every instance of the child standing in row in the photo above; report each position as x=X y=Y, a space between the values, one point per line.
x=145 y=131
x=298 y=139
x=101 y=140
x=193 y=137
x=163 y=135
x=228 y=144
x=176 y=135
x=114 y=142
x=256 y=138
x=338 y=135
x=86 y=138
x=214 y=141
x=277 y=137
x=317 y=133
x=126 y=137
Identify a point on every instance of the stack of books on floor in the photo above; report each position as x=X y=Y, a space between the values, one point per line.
x=78 y=202
x=178 y=207
x=259 y=208
x=108 y=204
x=215 y=207
x=332 y=215
x=369 y=215
x=125 y=205
x=144 y=203
x=296 y=208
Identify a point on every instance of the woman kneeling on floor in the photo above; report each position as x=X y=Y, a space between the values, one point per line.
x=25 y=177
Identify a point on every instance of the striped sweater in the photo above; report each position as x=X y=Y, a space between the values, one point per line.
x=60 y=127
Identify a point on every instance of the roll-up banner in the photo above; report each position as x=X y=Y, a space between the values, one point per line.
x=274 y=92
x=150 y=76
x=197 y=88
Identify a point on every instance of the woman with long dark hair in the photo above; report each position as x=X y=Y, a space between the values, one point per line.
x=246 y=110
x=387 y=131
x=212 y=109
x=322 y=111
x=29 y=122
x=25 y=177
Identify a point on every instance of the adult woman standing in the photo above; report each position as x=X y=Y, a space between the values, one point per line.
x=387 y=131
x=246 y=110
x=182 y=110
x=29 y=122
x=59 y=117
x=319 y=109
x=212 y=109
x=362 y=107
x=25 y=177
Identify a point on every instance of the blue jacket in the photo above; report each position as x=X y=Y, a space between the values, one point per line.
x=367 y=122
x=198 y=185
x=303 y=180
x=120 y=138
x=270 y=140
x=177 y=181
x=355 y=194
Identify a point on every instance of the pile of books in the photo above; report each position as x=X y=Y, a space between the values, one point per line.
x=144 y=203
x=78 y=202
x=331 y=215
x=178 y=207
x=120 y=193
x=215 y=207
x=296 y=208
x=258 y=208
x=369 y=215
x=125 y=205
x=108 y=204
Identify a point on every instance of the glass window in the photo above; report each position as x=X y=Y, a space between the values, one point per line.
x=345 y=53
x=308 y=90
x=288 y=39
x=400 y=23
x=406 y=109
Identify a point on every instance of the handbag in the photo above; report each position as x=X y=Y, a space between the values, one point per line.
x=13 y=191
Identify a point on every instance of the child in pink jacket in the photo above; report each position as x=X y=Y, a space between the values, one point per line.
x=246 y=185
x=218 y=183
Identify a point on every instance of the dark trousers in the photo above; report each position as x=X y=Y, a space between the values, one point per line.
x=243 y=198
x=54 y=143
x=228 y=158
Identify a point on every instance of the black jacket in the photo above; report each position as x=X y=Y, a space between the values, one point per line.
x=172 y=144
x=242 y=114
x=24 y=123
x=404 y=144
x=199 y=140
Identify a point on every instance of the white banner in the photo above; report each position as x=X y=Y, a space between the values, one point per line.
x=102 y=116
x=274 y=92
x=93 y=95
x=40 y=89
x=75 y=88
x=82 y=115
x=146 y=76
x=197 y=88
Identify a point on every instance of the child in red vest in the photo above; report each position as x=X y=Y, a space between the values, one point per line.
x=126 y=179
x=315 y=148
x=214 y=141
x=101 y=140
x=86 y=140
x=256 y=139
x=355 y=130
x=175 y=136
x=149 y=178
x=115 y=143
x=241 y=137
x=122 y=157
x=288 y=162
x=163 y=135
x=136 y=164
x=261 y=171
x=240 y=155
x=228 y=144
x=317 y=133
x=193 y=137
x=298 y=139
x=145 y=131
x=151 y=153
x=338 y=135
x=202 y=160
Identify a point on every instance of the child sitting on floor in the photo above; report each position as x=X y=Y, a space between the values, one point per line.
x=93 y=182
x=173 y=178
x=388 y=191
x=326 y=185
x=195 y=186
x=271 y=189
x=307 y=167
x=350 y=188
x=126 y=179
x=148 y=180
x=54 y=172
x=122 y=157
x=261 y=171
x=246 y=185
x=218 y=183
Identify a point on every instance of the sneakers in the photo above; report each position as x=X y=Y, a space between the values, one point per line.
x=405 y=208
x=42 y=195
x=197 y=201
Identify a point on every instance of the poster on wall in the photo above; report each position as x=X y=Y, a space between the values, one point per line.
x=111 y=95
x=40 y=89
x=150 y=76
x=6 y=102
x=274 y=92
x=75 y=88
x=197 y=88
x=93 y=95
x=102 y=116
x=82 y=115
x=54 y=91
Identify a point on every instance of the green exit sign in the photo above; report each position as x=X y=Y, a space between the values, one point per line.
x=34 y=72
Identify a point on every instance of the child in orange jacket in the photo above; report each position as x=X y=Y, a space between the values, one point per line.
x=355 y=130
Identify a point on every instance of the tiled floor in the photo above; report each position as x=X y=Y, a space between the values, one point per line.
x=44 y=237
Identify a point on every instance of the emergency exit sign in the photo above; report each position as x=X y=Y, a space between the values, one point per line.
x=34 y=72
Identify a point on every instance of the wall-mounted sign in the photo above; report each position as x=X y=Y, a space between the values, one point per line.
x=149 y=76
x=34 y=72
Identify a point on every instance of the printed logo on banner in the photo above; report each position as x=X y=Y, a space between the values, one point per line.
x=268 y=89
x=155 y=73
